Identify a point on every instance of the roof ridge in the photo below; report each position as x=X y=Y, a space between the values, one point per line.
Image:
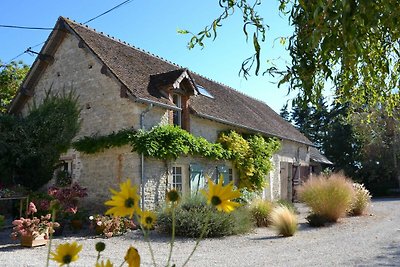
x=121 y=41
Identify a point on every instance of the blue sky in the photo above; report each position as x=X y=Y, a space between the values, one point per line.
x=152 y=25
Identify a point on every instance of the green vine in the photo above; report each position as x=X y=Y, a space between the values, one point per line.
x=250 y=154
x=169 y=142
x=251 y=157
x=94 y=144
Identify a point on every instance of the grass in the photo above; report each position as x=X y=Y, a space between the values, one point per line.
x=284 y=221
x=260 y=211
x=330 y=197
x=360 y=201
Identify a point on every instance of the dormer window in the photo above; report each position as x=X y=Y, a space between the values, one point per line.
x=177 y=114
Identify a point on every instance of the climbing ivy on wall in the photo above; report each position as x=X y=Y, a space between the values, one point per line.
x=97 y=143
x=170 y=142
x=250 y=154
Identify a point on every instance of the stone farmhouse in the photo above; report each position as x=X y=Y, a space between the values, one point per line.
x=120 y=87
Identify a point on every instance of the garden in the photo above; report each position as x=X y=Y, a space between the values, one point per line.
x=219 y=211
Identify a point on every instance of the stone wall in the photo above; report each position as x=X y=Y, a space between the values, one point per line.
x=105 y=111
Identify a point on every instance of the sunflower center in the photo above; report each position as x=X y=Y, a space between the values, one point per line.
x=149 y=220
x=215 y=200
x=129 y=202
x=67 y=259
x=173 y=196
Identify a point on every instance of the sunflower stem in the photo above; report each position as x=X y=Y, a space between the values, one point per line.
x=147 y=239
x=98 y=257
x=199 y=239
x=172 y=235
x=53 y=218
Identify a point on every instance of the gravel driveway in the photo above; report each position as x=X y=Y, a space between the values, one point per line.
x=370 y=240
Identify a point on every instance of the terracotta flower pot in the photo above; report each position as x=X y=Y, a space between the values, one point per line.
x=30 y=241
x=76 y=224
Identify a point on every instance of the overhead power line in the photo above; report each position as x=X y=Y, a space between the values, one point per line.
x=108 y=11
x=24 y=27
x=40 y=28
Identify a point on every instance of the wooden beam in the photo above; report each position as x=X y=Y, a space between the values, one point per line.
x=27 y=92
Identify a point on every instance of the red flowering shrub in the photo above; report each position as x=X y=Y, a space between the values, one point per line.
x=68 y=197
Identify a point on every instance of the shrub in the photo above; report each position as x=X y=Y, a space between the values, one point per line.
x=289 y=205
x=316 y=220
x=31 y=146
x=327 y=196
x=284 y=220
x=192 y=214
x=247 y=196
x=360 y=201
x=110 y=226
x=260 y=211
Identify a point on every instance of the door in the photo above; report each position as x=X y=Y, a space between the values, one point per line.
x=284 y=177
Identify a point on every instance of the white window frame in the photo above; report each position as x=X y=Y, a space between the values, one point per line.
x=230 y=175
x=177 y=99
x=174 y=184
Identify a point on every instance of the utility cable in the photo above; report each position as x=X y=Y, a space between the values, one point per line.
x=39 y=28
x=108 y=11
x=24 y=27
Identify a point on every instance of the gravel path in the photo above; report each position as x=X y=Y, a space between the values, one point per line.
x=370 y=240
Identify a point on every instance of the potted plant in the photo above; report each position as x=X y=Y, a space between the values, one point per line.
x=68 y=198
x=110 y=226
x=33 y=231
x=77 y=219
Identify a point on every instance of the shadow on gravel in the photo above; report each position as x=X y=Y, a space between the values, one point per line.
x=385 y=199
x=10 y=247
x=391 y=256
x=267 y=238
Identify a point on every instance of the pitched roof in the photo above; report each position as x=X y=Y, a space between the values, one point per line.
x=138 y=70
x=316 y=156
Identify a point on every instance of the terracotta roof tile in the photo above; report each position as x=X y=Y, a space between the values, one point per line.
x=135 y=68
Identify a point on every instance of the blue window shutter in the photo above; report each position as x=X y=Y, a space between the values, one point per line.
x=197 y=180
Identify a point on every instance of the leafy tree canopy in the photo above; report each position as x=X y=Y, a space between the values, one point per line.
x=11 y=77
x=30 y=147
x=353 y=44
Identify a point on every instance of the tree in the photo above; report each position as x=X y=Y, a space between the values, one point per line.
x=341 y=144
x=30 y=147
x=285 y=114
x=354 y=44
x=11 y=77
x=380 y=149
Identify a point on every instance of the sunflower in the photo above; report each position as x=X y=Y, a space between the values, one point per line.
x=147 y=219
x=220 y=196
x=66 y=253
x=124 y=202
x=132 y=257
x=102 y=264
x=173 y=196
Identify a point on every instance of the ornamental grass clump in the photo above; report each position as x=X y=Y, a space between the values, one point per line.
x=329 y=196
x=284 y=221
x=260 y=211
x=360 y=201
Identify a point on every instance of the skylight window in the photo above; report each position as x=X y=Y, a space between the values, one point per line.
x=203 y=91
